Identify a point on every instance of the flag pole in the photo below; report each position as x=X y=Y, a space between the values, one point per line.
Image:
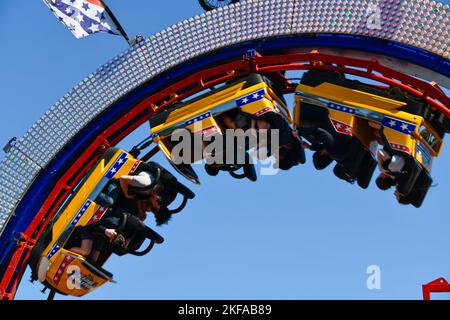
x=117 y=23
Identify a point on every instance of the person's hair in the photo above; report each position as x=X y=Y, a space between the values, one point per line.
x=167 y=196
x=384 y=182
x=162 y=217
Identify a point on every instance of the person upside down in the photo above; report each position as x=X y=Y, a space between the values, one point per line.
x=151 y=189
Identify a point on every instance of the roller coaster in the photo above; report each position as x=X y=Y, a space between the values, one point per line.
x=231 y=59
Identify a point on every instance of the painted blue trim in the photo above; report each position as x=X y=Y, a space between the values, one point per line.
x=36 y=195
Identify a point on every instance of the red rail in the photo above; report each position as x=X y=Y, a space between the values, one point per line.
x=438 y=285
x=195 y=83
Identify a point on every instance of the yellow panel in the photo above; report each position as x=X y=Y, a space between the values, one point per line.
x=297 y=108
x=201 y=106
x=58 y=275
x=398 y=138
x=203 y=125
x=350 y=96
x=259 y=107
x=82 y=195
x=341 y=116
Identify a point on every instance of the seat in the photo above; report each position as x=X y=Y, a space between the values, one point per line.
x=366 y=170
x=420 y=190
x=411 y=172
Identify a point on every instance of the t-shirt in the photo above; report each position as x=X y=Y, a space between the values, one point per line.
x=142 y=180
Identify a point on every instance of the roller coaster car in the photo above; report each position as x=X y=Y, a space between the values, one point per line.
x=205 y=116
x=349 y=105
x=51 y=260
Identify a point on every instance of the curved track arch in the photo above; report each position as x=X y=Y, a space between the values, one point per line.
x=45 y=165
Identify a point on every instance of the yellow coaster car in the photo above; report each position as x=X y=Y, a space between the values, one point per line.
x=51 y=260
x=408 y=125
x=208 y=114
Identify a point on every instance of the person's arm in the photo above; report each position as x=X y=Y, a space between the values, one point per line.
x=386 y=144
x=144 y=179
x=229 y=122
x=142 y=208
x=125 y=182
x=382 y=156
x=109 y=226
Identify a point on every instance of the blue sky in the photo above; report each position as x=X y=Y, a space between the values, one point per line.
x=300 y=234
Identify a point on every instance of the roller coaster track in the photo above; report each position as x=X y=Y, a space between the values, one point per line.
x=43 y=167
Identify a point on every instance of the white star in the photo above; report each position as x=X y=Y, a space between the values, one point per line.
x=68 y=10
x=338 y=125
x=405 y=126
x=255 y=96
x=245 y=100
x=120 y=161
x=347 y=129
x=113 y=170
x=79 y=18
x=94 y=27
x=392 y=123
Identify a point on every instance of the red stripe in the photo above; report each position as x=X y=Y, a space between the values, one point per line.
x=136 y=164
x=96 y=2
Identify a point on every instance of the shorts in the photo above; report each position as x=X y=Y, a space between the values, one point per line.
x=98 y=241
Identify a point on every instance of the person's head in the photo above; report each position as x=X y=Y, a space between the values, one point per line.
x=154 y=201
x=163 y=198
x=262 y=124
x=384 y=181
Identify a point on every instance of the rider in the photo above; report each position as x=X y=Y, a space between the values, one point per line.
x=390 y=168
x=390 y=164
x=327 y=146
x=291 y=151
x=152 y=188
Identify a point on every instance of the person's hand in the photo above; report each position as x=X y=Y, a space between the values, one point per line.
x=111 y=234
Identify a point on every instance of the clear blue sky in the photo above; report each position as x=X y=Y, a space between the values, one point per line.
x=300 y=234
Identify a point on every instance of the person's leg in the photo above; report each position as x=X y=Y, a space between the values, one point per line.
x=98 y=243
x=94 y=255
x=85 y=249
x=109 y=195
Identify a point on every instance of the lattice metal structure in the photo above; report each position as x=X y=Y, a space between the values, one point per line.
x=421 y=24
